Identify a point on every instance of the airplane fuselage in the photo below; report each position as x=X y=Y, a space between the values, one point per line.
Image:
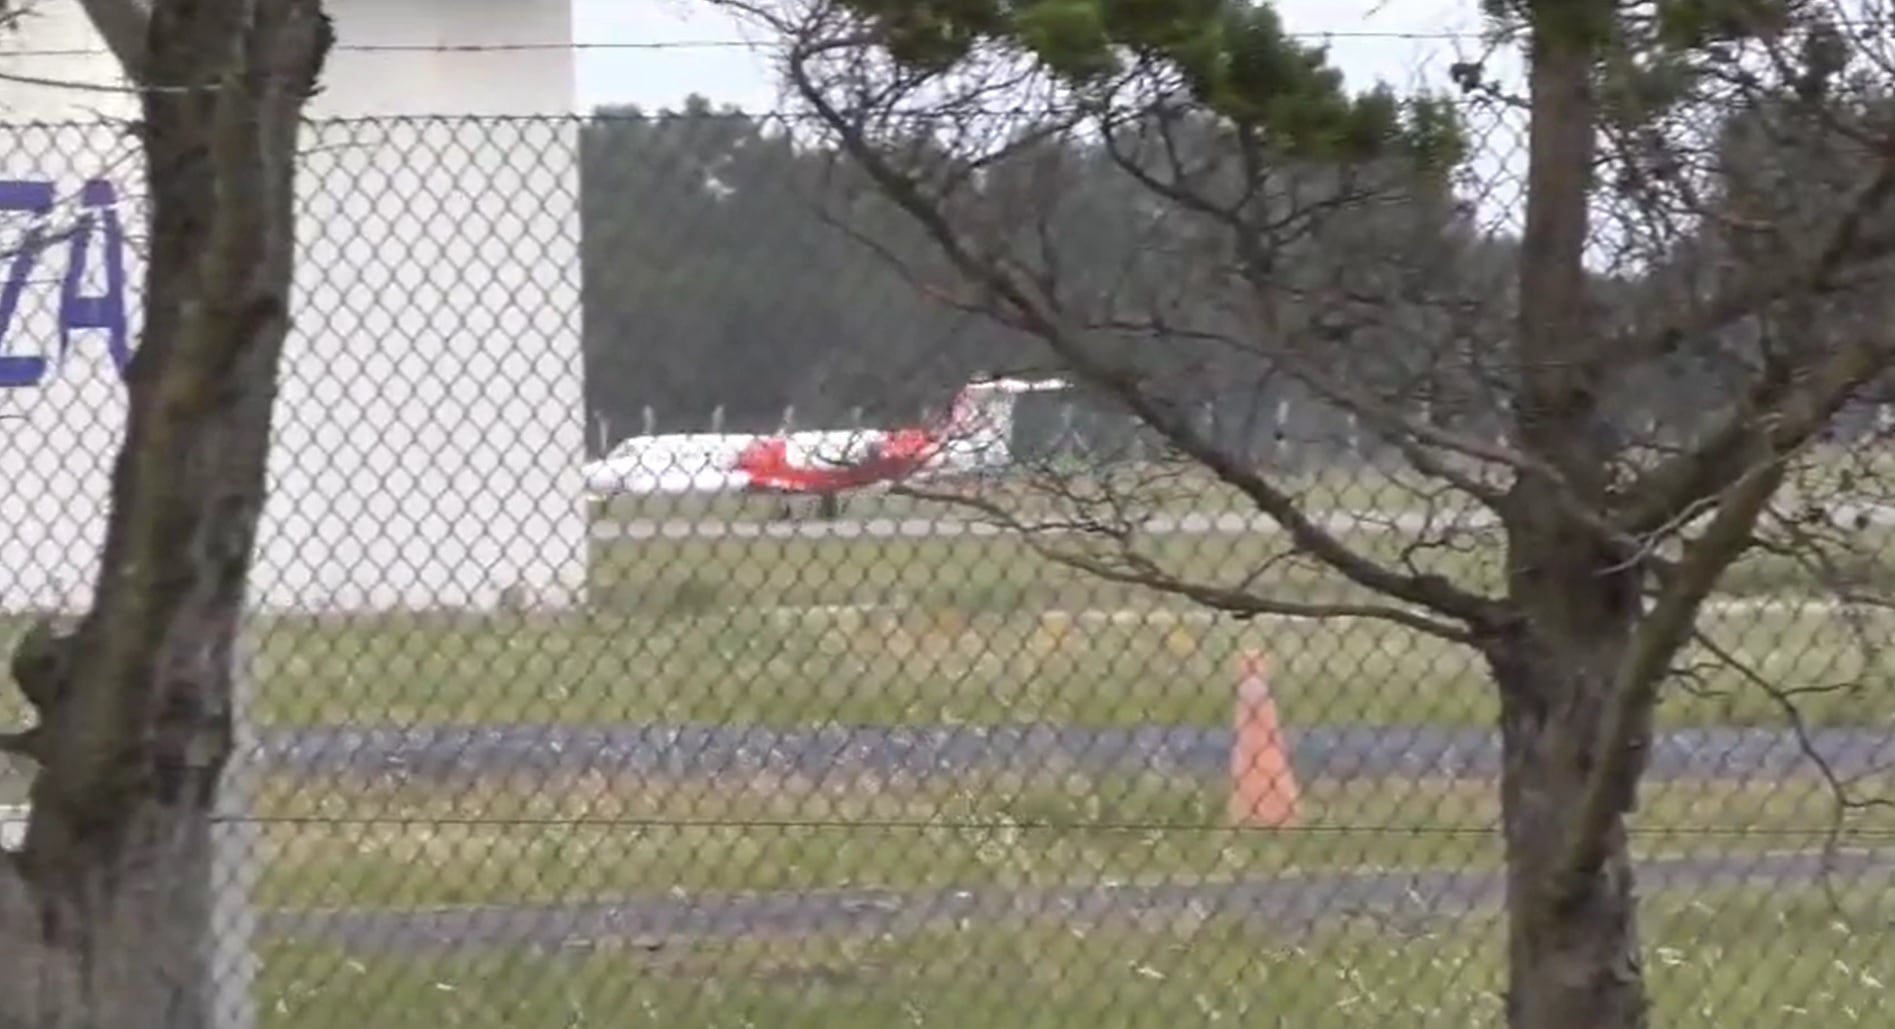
x=822 y=463
x=683 y=463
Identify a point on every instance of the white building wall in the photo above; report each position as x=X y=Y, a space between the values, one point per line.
x=430 y=421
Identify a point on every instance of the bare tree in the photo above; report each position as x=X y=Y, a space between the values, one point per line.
x=105 y=914
x=1634 y=391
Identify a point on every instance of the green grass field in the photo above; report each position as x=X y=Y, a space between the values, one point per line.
x=983 y=632
x=1006 y=573
x=1175 y=488
x=1716 y=957
x=948 y=667
x=953 y=667
x=1735 y=957
x=580 y=839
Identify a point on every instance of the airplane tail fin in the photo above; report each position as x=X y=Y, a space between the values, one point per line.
x=963 y=411
x=980 y=417
x=979 y=410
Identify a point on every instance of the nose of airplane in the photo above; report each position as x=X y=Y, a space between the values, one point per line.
x=602 y=479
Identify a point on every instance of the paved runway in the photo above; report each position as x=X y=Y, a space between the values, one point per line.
x=1408 y=901
x=921 y=752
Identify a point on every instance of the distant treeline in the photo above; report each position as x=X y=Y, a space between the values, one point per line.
x=720 y=288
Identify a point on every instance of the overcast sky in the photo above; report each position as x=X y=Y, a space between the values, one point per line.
x=658 y=78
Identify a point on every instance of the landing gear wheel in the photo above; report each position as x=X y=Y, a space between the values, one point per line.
x=829 y=507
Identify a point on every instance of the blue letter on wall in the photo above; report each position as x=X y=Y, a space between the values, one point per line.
x=99 y=213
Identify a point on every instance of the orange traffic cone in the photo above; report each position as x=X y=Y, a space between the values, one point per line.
x=1263 y=785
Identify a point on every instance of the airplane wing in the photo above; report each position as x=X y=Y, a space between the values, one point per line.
x=891 y=456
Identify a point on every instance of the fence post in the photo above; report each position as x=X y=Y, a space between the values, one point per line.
x=236 y=857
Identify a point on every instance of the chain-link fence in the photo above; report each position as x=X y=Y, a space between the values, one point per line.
x=541 y=735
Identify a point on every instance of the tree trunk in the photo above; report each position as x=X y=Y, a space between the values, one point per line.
x=105 y=913
x=1572 y=941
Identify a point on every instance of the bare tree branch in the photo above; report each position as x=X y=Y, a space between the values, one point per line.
x=1022 y=310
x=124 y=25
x=1618 y=747
x=1248 y=235
x=1797 y=405
x=1839 y=789
x=1140 y=570
x=1410 y=434
x=1792 y=409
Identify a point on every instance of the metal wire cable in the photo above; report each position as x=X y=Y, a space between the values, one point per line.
x=1025 y=825
x=681 y=44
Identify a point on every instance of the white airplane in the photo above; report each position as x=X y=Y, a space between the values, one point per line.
x=974 y=436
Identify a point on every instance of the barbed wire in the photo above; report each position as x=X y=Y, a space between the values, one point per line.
x=709 y=44
x=1334 y=828
x=1305 y=35
x=606 y=112
x=691 y=44
x=570 y=46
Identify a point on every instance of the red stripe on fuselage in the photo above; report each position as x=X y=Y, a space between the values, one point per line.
x=899 y=454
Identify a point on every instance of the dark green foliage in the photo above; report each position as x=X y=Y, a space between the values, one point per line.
x=717 y=273
x=934 y=35
x=1694 y=24
x=713 y=277
x=1069 y=35
x=1236 y=57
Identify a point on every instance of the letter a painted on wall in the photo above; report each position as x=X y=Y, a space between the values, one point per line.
x=107 y=310
x=98 y=219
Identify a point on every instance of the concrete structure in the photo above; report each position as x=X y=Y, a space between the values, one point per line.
x=430 y=427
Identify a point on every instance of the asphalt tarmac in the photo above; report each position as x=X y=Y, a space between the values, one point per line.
x=919 y=752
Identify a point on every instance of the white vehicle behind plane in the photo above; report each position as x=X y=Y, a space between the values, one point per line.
x=974 y=436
